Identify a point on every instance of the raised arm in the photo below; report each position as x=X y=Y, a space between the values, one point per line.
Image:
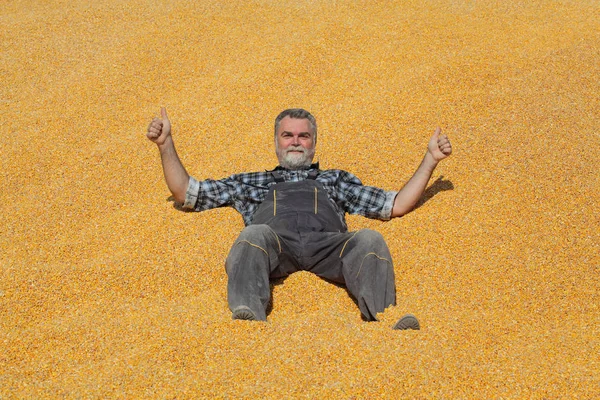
x=438 y=148
x=177 y=178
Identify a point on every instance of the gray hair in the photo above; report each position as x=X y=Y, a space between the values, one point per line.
x=297 y=113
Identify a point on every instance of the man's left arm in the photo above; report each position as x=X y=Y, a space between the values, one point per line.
x=438 y=148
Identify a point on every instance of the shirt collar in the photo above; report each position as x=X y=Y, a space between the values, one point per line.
x=280 y=168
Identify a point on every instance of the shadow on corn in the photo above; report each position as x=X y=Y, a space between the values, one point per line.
x=440 y=185
x=178 y=206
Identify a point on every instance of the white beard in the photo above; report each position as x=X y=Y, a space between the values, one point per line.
x=292 y=160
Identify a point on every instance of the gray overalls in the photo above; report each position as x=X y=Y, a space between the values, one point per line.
x=296 y=228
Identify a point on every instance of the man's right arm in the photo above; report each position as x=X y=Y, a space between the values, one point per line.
x=438 y=148
x=177 y=178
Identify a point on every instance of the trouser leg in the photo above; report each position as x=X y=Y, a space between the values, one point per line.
x=251 y=260
x=368 y=272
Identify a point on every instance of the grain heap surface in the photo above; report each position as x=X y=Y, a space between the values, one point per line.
x=107 y=290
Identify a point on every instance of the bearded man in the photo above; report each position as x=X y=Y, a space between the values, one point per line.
x=295 y=218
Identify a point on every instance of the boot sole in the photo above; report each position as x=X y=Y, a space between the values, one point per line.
x=243 y=313
x=409 y=321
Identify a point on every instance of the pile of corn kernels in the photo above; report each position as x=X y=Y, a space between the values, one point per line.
x=108 y=290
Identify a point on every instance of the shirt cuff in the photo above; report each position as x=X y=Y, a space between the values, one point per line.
x=386 y=211
x=191 y=195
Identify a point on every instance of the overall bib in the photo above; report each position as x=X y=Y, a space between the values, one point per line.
x=296 y=228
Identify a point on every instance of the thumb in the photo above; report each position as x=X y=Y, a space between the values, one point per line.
x=163 y=113
x=437 y=132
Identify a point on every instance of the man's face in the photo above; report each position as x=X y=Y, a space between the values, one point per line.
x=295 y=144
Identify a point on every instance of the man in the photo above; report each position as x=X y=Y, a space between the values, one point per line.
x=295 y=218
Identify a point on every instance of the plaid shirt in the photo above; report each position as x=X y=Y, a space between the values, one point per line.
x=245 y=192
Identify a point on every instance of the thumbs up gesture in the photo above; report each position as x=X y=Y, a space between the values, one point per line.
x=159 y=129
x=439 y=146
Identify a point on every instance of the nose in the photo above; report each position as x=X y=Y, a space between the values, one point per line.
x=296 y=141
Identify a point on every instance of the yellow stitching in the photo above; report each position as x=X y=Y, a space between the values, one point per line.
x=316 y=200
x=253 y=245
x=343 y=248
x=274 y=202
x=363 y=260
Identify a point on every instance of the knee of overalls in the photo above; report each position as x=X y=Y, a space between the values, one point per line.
x=255 y=233
x=371 y=238
x=260 y=237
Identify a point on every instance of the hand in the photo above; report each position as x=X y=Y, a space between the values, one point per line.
x=159 y=129
x=439 y=146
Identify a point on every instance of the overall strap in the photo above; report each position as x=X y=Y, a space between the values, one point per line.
x=313 y=174
x=277 y=176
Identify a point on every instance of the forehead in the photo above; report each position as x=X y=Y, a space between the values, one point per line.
x=297 y=125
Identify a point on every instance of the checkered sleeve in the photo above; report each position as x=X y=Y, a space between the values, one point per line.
x=244 y=192
x=369 y=201
x=209 y=193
